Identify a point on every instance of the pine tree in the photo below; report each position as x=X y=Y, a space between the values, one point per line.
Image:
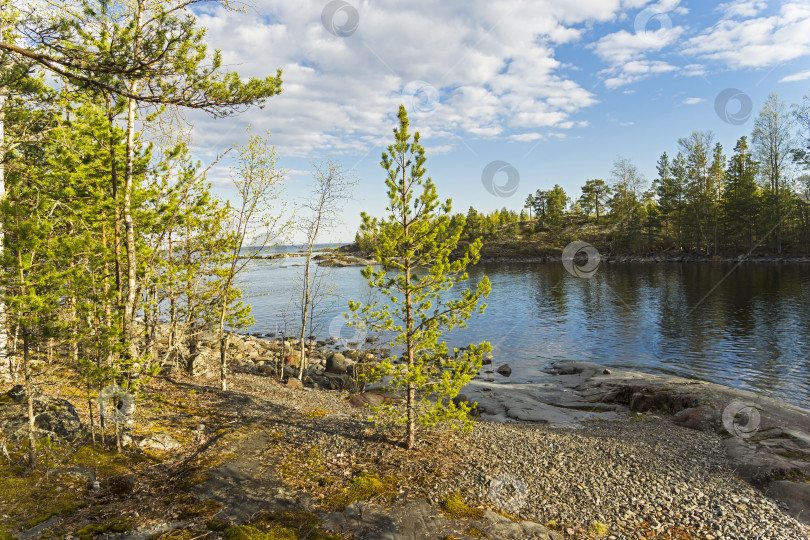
x=741 y=201
x=415 y=243
x=594 y=194
x=666 y=192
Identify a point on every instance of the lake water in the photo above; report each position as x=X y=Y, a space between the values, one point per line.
x=746 y=327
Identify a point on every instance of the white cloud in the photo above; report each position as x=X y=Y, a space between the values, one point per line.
x=439 y=149
x=756 y=42
x=525 y=137
x=297 y=172
x=491 y=65
x=635 y=71
x=626 y=52
x=800 y=76
x=694 y=70
x=693 y=101
x=623 y=46
x=742 y=8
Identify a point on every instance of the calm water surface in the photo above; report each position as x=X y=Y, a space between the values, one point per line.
x=746 y=327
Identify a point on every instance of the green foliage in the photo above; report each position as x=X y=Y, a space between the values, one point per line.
x=556 y=201
x=415 y=243
x=594 y=195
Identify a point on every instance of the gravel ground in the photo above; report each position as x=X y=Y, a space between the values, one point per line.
x=641 y=477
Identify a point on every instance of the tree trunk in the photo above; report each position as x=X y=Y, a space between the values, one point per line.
x=119 y=282
x=223 y=340
x=129 y=227
x=132 y=260
x=305 y=300
x=29 y=391
x=411 y=403
x=6 y=373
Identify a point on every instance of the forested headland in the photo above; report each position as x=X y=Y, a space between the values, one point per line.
x=705 y=201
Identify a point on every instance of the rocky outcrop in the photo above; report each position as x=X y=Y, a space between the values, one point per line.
x=767 y=441
x=55 y=418
x=420 y=519
x=343 y=260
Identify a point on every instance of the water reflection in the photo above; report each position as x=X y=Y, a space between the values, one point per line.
x=743 y=326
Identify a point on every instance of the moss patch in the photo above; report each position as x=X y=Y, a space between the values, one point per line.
x=30 y=500
x=316 y=413
x=362 y=488
x=455 y=507
x=292 y=524
x=201 y=509
x=598 y=529
x=101 y=462
x=217 y=525
x=117 y=525
x=176 y=534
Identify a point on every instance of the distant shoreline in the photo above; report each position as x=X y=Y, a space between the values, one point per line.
x=496 y=252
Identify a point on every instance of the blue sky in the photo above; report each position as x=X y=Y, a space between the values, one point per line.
x=556 y=89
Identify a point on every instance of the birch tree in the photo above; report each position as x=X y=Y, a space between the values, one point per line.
x=256 y=218
x=331 y=188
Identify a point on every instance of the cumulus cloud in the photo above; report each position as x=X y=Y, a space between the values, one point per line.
x=635 y=71
x=623 y=46
x=626 y=52
x=742 y=8
x=800 y=76
x=758 y=41
x=526 y=137
x=489 y=67
x=693 y=101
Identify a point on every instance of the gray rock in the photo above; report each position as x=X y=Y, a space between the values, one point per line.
x=502 y=527
x=39 y=529
x=336 y=363
x=795 y=495
x=205 y=363
x=294 y=382
x=332 y=381
x=290 y=371
x=504 y=370
x=17 y=393
x=55 y=418
x=123 y=484
x=162 y=442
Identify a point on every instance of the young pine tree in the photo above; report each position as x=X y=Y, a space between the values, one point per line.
x=415 y=242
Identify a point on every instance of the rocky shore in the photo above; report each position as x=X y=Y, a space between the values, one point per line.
x=764 y=441
x=583 y=452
